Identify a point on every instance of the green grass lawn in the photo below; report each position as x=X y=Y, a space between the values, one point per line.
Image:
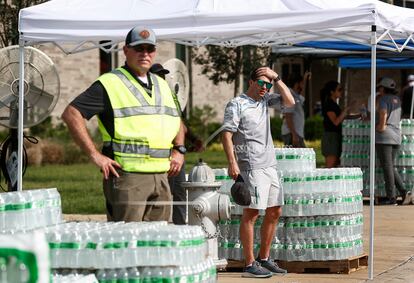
x=80 y=185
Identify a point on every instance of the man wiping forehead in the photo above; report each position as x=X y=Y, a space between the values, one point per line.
x=248 y=145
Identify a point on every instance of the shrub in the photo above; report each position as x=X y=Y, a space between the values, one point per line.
x=73 y=154
x=276 y=128
x=200 y=125
x=314 y=128
x=52 y=153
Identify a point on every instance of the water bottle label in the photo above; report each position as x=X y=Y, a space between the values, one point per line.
x=309 y=246
x=290 y=224
x=54 y=246
x=311 y=224
x=15 y=206
x=70 y=245
x=224 y=178
x=115 y=245
x=91 y=246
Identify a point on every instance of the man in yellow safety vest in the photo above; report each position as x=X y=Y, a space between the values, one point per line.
x=142 y=132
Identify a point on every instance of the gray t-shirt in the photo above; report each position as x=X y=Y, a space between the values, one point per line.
x=298 y=115
x=249 y=122
x=392 y=133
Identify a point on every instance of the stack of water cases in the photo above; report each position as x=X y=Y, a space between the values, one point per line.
x=116 y=252
x=356 y=153
x=130 y=252
x=322 y=213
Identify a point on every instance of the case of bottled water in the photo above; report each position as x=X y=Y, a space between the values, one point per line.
x=29 y=209
x=24 y=257
x=122 y=245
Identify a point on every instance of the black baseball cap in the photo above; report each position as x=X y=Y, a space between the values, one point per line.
x=158 y=69
x=240 y=192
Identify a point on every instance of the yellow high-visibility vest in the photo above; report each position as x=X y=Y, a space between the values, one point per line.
x=144 y=126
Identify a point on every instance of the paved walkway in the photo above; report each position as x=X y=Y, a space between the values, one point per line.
x=393 y=252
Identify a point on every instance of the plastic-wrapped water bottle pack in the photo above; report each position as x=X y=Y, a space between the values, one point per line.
x=120 y=245
x=304 y=159
x=27 y=210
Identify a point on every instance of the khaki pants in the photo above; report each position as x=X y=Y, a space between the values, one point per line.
x=127 y=195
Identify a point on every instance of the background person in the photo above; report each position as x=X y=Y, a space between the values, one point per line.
x=246 y=134
x=196 y=145
x=294 y=117
x=332 y=123
x=138 y=121
x=388 y=139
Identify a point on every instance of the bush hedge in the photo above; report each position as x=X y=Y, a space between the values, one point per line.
x=313 y=128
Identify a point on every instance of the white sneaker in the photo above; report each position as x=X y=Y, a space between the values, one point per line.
x=408 y=199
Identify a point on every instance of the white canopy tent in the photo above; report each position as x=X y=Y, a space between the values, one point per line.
x=84 y=23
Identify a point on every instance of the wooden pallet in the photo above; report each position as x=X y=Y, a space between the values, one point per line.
x=331 y=266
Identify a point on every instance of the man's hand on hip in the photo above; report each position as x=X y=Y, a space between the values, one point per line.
x=106 y=164
x=177 y=161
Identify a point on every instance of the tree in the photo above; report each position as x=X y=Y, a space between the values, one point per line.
x=227 y=64
x=9 y=19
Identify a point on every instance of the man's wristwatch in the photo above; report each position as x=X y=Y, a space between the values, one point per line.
x=180 y=148
x=276 y=79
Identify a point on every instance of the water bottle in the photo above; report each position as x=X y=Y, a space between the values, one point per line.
x=3 y=218
x=133 y=275
x=310 y=228
x=3 y=270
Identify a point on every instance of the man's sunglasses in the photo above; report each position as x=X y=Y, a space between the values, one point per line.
x=263 y=83
x=142 y=48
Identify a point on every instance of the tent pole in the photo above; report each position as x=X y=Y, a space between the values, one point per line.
x=339 y=74
x=20 y=121
x=412 y=102
x=372 y=151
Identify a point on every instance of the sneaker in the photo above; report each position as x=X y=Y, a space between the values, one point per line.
x=256 y=271
x=407 y=199
x=272 y=266
x=390 y=201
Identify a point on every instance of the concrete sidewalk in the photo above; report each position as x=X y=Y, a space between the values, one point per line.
x=393 y=252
